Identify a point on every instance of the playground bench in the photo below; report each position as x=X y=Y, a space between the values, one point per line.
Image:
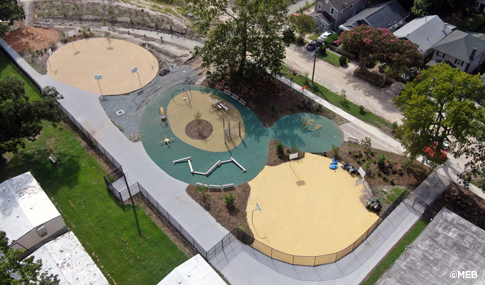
x=226 y=186
x=242 y=102
x=52 y=158
x=235 y=97
x=227 y=92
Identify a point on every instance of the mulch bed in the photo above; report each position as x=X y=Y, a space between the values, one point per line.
x=198 y=131
x=286 y=100
x=462 y=202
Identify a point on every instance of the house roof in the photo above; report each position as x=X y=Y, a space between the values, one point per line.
x=194 y=271
x=324 y=15
x=448 y=244
x=425 y=31
x=460 y=45
x=66 y=257
x=341 y=4
x=23 y=206
x=382 y=15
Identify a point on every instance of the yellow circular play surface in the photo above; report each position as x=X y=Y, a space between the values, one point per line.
x=181 y=111
x=307 y=208
x=78 y=62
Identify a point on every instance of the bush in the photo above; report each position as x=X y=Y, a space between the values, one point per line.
x=342 y=60
x=335 y=150
x=230 y=199
x=272 y=108
x=331 y=39
x=362 y=110
x=367 y=143
x=280 y=148
x=300 y=41
x=323 y=50
x=381 y=160
x=394 y=125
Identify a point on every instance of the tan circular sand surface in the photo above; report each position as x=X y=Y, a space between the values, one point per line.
x=76 y=64
x=307 y=208
x=180 y=112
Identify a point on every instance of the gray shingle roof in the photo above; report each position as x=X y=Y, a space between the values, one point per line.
x=425 y=31
x=382 y=15
x=460 y=45
x=341 y=4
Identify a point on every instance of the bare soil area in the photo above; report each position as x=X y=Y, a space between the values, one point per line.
x=25 y=40
x=197 y=131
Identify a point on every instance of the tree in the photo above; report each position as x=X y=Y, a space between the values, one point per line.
x=11 y=11
x=363 y=40
x=303 y=24
x=14 y=271
x=400 y=56
x=242 y=36
x=439 y=106
x=20 y=118
x=420 y=8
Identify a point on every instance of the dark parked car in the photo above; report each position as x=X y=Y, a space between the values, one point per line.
x=311 y=46
x=314 y=44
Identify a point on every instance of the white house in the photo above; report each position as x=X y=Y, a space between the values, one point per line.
x=66 y=257
x=27 y=215
x=425 y=32
x=195 y=271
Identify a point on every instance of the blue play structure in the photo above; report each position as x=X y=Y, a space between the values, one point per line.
x=334 y=164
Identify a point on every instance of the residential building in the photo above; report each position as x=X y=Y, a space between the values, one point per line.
x=425 y=32
x=389 y=15
x=27 y=215
x=329 y=14
x=460 y=49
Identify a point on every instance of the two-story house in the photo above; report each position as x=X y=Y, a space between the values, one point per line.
x=463 y=50
x=330 y=14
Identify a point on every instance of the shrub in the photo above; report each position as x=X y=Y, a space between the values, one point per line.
x=300 y=41
x=230 y=199
x=394 y=125
x=367 y=143
x=342 y=60
x=331 y=39
x=322 y=50
x=197 y=117
x=272 y=108
x=280 y=148
x=381 y=160
x=335 y=150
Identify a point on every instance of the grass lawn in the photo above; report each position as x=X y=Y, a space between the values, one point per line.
x=75 y=185
x=337 y=100
x=7 y=68
x=330 y=57
x=314 y=36
x=394 y=254
x=110 y=235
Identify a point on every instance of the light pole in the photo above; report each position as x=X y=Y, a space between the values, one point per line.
x=315 y=61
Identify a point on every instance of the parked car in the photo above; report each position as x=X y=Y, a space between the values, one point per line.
x=326 y=34
x=311 y=46
x=314 y=44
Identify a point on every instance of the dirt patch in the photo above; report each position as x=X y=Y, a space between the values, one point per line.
x=276 y=157
x=272 y=92
x=198 y=131
x=215 y=204
x=26 y=40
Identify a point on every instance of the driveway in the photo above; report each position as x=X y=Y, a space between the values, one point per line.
x=374 y=99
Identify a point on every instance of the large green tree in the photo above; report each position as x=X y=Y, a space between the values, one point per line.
x=420 y=8
x=242 y=36
x=20 y=118
x=439 y=106
x=15 y=271
x=11 y=10
x=303 y=24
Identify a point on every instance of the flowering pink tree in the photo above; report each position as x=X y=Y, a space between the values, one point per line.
x=363 y=40
x=382 y=45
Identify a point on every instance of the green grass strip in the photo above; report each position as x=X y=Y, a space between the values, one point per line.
x=314 y=36
x=109 y=233
x=337 y=100
x=394 y=254
x=330 y=57
x=8 y=68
